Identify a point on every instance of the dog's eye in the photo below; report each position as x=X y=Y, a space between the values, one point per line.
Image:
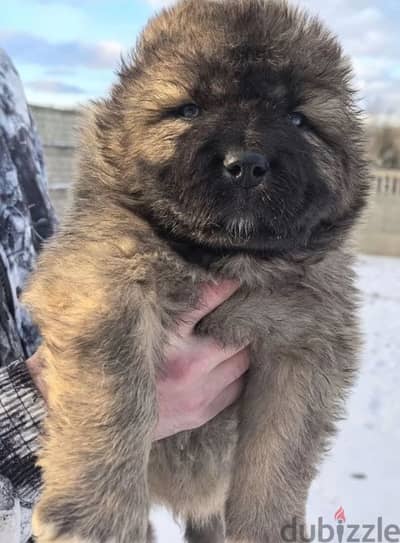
x=298 y=119
x=189 y=111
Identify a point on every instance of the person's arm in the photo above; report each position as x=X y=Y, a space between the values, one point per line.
x=26 y=219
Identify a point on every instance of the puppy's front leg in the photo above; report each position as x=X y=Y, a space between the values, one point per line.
x=99 y=431
x=287 y=416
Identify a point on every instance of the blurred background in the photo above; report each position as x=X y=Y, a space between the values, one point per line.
x=66 y=52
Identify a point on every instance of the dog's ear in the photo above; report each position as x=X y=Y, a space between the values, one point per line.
x=98 y=147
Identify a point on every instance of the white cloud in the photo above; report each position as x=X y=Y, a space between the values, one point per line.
x=33 y=49
x=52 y=86
x=107 y=53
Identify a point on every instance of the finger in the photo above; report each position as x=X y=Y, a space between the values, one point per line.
x=36 y=365
x=205 y=354
x=226 y=373
x=211 y=297
x=225 y=399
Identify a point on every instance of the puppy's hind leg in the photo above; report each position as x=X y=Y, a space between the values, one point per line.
x=211 y=531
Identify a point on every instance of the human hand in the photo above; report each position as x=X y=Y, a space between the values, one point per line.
x=201 y=378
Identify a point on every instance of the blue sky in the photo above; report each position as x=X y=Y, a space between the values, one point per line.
x=67 y=50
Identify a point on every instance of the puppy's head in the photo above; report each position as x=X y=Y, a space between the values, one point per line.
x=233 y=126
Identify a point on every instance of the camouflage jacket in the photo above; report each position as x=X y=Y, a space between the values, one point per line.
x=26 y=219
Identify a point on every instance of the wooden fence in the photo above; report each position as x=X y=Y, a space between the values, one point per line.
x=387 y=182
x=379 y=232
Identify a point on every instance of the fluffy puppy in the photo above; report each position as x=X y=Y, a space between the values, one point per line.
x=228 y=148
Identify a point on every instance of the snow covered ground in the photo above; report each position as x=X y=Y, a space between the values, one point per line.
x=362 y=473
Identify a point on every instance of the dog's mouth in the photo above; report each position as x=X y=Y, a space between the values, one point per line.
x=213 y=218
x=241 y=229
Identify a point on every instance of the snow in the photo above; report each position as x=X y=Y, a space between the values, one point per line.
x=369 y=442
x=361 y=473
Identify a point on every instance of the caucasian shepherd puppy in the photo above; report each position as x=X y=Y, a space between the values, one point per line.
x=229 y=148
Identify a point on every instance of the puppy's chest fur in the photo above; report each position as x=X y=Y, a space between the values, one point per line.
x=277 y=303
x=285 y=311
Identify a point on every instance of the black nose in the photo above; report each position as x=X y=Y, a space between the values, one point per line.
x=247 y=169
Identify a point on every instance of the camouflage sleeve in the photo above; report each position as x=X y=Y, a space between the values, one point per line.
x=26 y=215
x=26 y=219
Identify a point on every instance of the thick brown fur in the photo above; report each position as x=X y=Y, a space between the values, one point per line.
x=153 y=217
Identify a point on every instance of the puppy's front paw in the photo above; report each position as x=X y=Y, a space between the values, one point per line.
x=48 y=533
